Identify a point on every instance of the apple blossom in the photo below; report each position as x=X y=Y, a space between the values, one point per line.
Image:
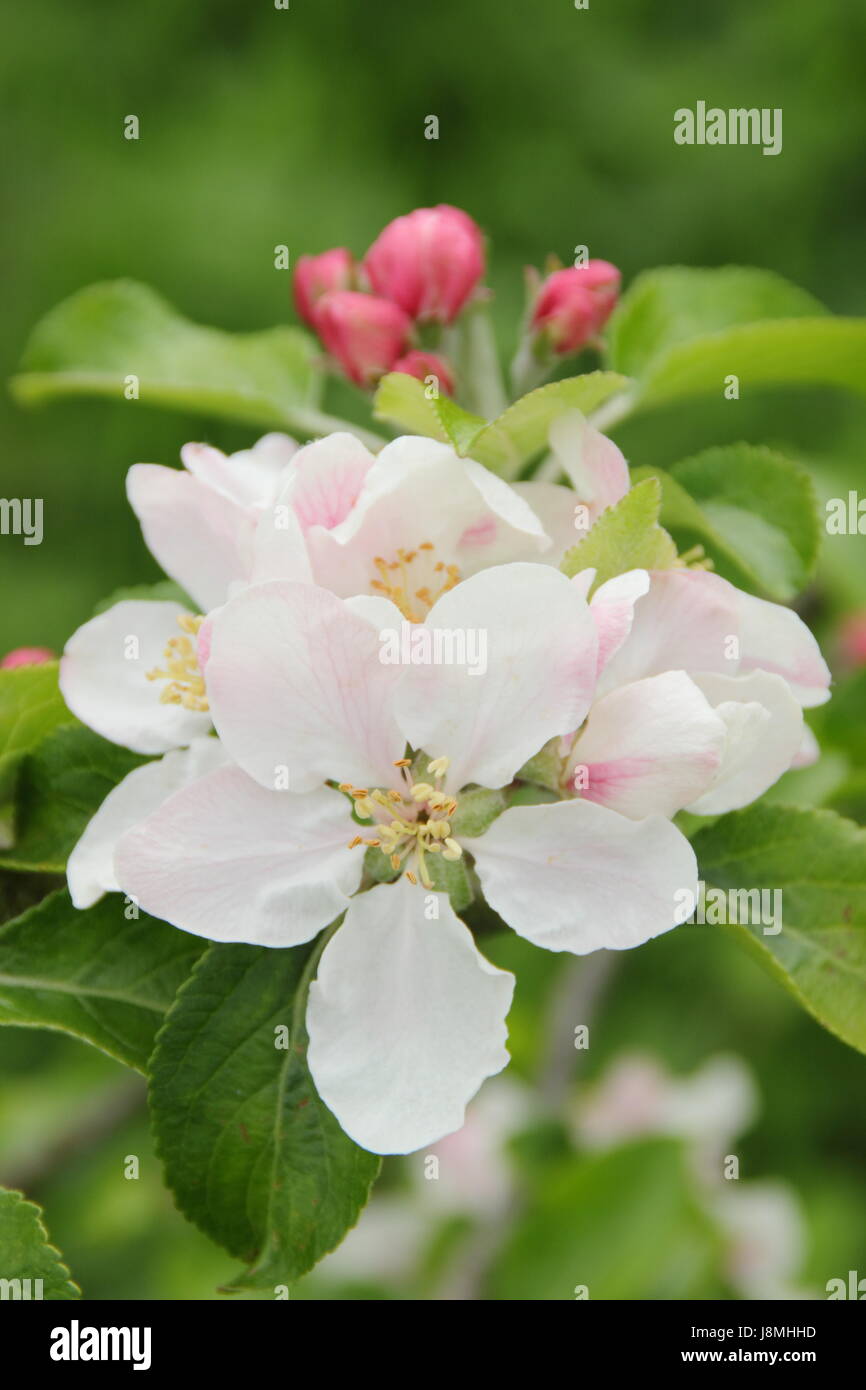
x=429 y=262
x=297 y=687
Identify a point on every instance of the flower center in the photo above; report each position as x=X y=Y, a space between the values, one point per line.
x=181 y=670
x=412 y=820
x=414 y=580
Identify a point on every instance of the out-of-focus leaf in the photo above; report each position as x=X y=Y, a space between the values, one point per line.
x=754 y=512
x=622 y=1225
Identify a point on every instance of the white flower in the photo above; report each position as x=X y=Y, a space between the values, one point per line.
x=406 y=1018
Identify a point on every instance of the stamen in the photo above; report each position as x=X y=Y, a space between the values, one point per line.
x=186 y=685
x=412 y=582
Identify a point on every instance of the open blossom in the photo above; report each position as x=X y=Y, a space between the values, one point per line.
x=699 y=699
x=573 y=305
x=297 y=687
x=366 y=334
x=316 y=276
x=429 y=262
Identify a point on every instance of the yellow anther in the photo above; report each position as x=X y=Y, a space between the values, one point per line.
x=412 y=581
x=403 y=762
x=422 y=791
x=452 y=850
x=185 y=686
x=353 y=843
x=439 y=766
x=411 y=877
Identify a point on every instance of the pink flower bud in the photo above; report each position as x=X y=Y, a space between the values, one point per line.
x=365 y=334
x=27 y=656
x=316 y=276
x=574 y=305
x=424 y=364
x=429 y=262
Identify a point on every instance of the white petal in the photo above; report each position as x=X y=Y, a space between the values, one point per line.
x=574 y=876
x=90 y=867
x=103 y=678
x=776 y=639
x=406 y=1020
x=535 y=681
x=418 y=491
x=249 y=478
x=688 y=621
x=200 y=537
x=554 y=506
x=612 y=607
x=809 y=751
x=295 y=681
x=764 y=726
x=595 y=466
x=227 y=860
x=651 y=747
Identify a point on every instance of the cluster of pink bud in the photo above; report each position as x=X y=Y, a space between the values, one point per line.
x=573 y=305
x=423 y=268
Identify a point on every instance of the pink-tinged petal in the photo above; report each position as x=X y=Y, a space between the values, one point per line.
x=103 y=678
x=688 y=621
x=419 y=492
x=594 y=465
x=764 y=725
x=406 y=1020
x=649 y=748
x=27 y=656
x=249 y=478
x=574 y=876
x=529 y=673
x=612 y=607
x=200 y=537
x=556 y=509
x=295 y=681
x=325 y=480
x=776 y=639
x=90 y=867
x=229 y=861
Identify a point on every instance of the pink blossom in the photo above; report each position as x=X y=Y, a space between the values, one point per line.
x=365 y=334
x=573 y=305
x=316 y=276
x=429 y=262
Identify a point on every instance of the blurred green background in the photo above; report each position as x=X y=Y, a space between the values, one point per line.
x=305 y=127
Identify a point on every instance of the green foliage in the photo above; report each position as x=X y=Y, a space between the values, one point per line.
x=90 y=344
x=624 y=1225
x=754 y=512
x=505 y=445
x=818 y=861
x=682 y=331
x=94 y=974
x=25 y=1252
x=31 y=706
x=626 y=536
x=60 y=786
x=252 y=1155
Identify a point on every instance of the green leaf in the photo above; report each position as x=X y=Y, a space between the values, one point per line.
x=624 y=1225
x=681 y=331
x=818 y=862
x=95 y=974
x=26 y=1254
x=507 y=444
x=90 y=344
x=252 y=1155
x=626 y=536
x=754 y=511
x=61 y=784
x=31 y=706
